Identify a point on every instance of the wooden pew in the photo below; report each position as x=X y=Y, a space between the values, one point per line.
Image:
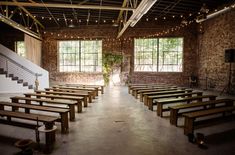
x=94 y=91
x=141 y=92
x=52 y=97
x=61 y=111
x=186 y=99
x=190 y=118
x=175 y=110
x=48 y=121
x=132 y=86
x=100 y=87
x=85 y=95
x=136 y=91
x=150 y=99
x=41 y=101
x=145 y=95
x=73 y=90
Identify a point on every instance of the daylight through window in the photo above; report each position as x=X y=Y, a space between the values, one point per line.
x=158 y=55
x=80 y=56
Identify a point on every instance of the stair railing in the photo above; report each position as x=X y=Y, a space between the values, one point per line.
x=18 y=70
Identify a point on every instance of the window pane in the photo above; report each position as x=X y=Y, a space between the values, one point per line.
x=20 y=48
x=82 y=56
x=158 y=54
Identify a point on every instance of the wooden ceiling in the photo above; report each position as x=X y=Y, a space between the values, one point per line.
x=63 y=17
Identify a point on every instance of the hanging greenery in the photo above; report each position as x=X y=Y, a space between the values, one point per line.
x=110 y=61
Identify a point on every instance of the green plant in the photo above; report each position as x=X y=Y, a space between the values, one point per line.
x=110 y=61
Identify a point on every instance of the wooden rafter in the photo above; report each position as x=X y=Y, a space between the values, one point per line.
x=26 y=11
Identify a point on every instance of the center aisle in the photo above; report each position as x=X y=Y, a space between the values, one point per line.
x=117 y=124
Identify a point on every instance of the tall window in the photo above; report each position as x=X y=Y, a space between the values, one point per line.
x=20 y=48
x=80 y=56
x=159 y=54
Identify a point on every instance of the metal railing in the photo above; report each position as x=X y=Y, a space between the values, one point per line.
x=18 y=70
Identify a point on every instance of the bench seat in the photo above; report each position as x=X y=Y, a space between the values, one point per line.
x=71 y=105
x=62 y=111
x=174 y=110
x=190 y=118
x=186 y=99
x=150 y=99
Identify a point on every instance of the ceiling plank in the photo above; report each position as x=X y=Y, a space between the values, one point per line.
x=75 y=6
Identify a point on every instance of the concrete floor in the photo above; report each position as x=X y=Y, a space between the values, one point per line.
x=116 y=123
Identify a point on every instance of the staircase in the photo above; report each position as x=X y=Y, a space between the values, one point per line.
x=14 y=80
x=18 y=75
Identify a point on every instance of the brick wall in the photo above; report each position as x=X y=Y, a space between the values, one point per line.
x=125 y=46
x=217 y=35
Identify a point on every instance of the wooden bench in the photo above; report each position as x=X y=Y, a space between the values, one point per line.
x=93 y=90
x=100 y=87
x=132 y=86
x=71 y=105
x=150 y=99
x=174 y=110
x=190 y=118
x=136 y=91
x=91 y=93
x=141 y=92
x=85 y=95
x=48 y=121
x=145 y=95
x=63 y=112
x=186 y=99
x=52 y=97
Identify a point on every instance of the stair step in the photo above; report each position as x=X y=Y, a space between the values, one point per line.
x=20 y=81
x=30 y=86
x=10 y=75
x=25 y=84
x=15 y=78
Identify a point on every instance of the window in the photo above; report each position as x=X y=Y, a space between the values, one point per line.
x=158 y=54
x=20 y=48
x=80 y=56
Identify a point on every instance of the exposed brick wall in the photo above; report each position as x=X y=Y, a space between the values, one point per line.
x=125 y=46
x=218 y=34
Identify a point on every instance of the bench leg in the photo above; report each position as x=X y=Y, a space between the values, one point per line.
x=145 y=99
x=72 y=112
x=188 y=125
x=173 y=116
x=85 y=101
x=150 y=104
x=102 y=90
x=141 y=97
x=64 y=122
x=90 y=98
x=79 y=107
x=159 y=109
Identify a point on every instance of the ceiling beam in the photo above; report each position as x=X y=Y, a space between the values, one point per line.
x=141 y=9
x=59 y=5
x=26 y=11
x=121 y=11
x=20 y=27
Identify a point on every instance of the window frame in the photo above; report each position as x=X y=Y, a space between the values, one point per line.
x=157 y=65
x=79 y=59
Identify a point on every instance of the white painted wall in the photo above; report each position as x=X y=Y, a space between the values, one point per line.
x=43 y=80
x=9 y=86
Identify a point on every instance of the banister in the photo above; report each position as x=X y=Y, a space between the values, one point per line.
x=23 y=67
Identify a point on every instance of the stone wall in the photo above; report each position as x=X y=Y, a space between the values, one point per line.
x=124 y=46
x=217 y=35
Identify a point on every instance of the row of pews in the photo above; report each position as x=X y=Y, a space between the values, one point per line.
x=60 y=102
x=196 y=107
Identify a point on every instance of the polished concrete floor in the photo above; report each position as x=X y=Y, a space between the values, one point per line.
x=116 y=123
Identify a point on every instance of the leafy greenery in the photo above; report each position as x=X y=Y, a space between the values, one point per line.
x=110 y=61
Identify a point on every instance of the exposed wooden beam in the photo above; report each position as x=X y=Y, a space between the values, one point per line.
x=26 y=11
x=19 y=27
x=121 y=11
x=75 y=6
